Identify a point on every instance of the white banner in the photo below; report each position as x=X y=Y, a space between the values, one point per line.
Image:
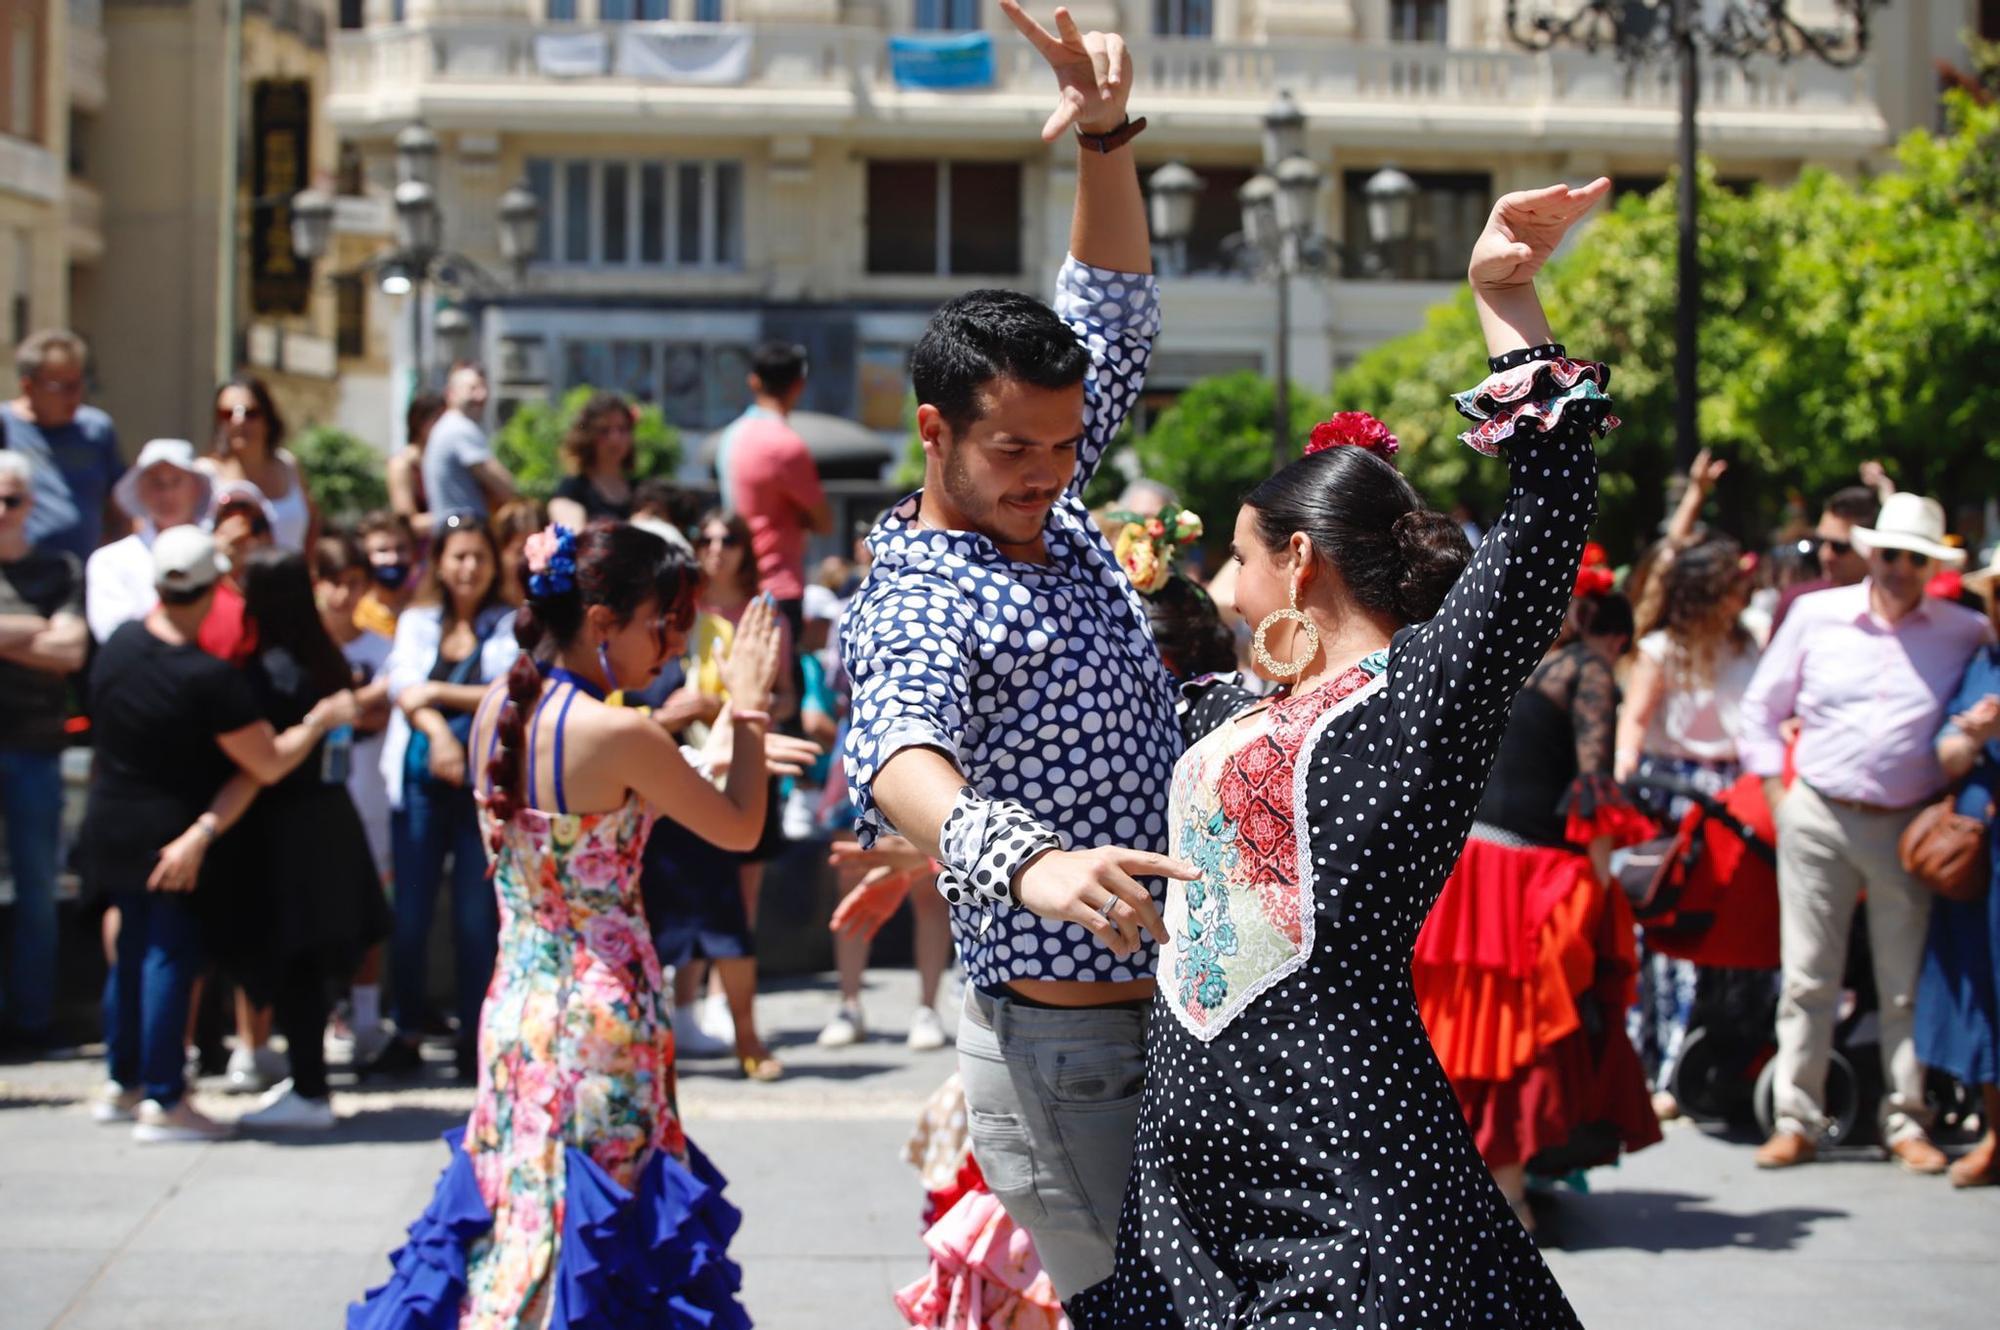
x=716 y=57
x=569 y=55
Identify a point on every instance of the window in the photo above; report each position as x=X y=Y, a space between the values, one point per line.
x=562 y=11
x=1449 y=213
x=624 y=214
x=1183 y=18
x=350 y=326
x=353 y=15
x=625 y=11
x=944 y=218
x=708 y=11
x=20 y=26
x=947 y=16
x=883 y=382
x=1218 y=218
x=1417 y=21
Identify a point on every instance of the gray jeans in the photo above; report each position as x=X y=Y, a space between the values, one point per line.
x=1052 y=1104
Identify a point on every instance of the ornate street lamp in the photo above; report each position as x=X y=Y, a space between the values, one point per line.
x=520 y=225
x=1284 y=129
x=1390 y=201
x=417 y=156
x=312 y=224
x=1171 y=195
x=454 y=332
x=1641 y=31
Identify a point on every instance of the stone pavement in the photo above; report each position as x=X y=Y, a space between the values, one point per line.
x=96 y=1233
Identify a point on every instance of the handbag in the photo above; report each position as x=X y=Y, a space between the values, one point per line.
x=1948 y=851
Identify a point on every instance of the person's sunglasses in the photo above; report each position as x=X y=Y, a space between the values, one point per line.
x=728 y=542
x=9 y=502
x=229 y=414
x=1839 y=548
x=1894 y=557
x=68 y=387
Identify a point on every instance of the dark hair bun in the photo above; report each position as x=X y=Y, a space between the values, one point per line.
x=1435 y=552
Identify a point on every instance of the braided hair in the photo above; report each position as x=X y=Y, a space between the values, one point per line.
x=611 y=564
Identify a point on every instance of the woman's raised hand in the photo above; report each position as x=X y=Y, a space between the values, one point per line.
x=1524 y=229
x=752 y=668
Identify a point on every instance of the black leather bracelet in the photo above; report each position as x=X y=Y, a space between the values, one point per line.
x=1116 y=139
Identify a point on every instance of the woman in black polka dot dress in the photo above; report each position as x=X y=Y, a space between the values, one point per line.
x=1301 y=1159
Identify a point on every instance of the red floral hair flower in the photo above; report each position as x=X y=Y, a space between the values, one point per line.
x=1353 y=429
x=1594 y=556
x=1594 y=581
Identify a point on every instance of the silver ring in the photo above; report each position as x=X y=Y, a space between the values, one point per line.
x=1104 y=911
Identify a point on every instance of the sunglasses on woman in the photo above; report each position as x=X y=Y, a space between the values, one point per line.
x=225 y=415
x=728 y=542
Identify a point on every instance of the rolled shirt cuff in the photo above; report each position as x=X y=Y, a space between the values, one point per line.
x=984 y=844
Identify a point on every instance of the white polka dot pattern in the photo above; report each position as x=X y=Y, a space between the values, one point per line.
x=1309 y=1166
x=984 y=843
x=1041 y=682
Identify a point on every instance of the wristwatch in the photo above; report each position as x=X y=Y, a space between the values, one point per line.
x=1116 y=139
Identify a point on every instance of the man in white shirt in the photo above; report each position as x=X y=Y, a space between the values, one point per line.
x=164 y=488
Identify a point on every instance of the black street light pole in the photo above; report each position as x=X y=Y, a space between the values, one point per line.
x=1640 y=31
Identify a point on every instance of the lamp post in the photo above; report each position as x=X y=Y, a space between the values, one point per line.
x=419 y=258
x=1641 y=31
x=1280 y=239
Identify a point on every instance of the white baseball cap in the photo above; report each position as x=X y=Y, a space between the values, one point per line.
x=185 y=560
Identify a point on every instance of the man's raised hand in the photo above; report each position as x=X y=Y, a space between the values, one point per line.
x=1099 y=889
x=1093 y=72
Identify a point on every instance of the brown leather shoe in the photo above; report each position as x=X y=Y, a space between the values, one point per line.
x=1787 y=1149
x=1917 y=1155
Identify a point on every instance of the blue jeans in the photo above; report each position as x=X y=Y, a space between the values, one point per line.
x=146 y=997
x=437 y=822
x=31 y=805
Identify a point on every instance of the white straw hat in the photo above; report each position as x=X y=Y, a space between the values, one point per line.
x=1981 y=579
x=176 y=453
x=1910 y=522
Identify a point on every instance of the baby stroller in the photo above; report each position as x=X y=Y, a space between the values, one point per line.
x=1708 y=892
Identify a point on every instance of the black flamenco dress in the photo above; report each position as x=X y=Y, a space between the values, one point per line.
x=1301 y=1158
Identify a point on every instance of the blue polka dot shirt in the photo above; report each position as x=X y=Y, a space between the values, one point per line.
x=1040 y=681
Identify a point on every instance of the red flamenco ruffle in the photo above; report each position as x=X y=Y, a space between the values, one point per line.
x=1536 y=396
x=1583 y=1098
x=984 y=1274
x=1595 y=805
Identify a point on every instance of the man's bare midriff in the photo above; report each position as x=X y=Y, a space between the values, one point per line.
x=1081 y=993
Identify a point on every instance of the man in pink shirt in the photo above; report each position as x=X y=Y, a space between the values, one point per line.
x=1867 y=671
x=768 y=476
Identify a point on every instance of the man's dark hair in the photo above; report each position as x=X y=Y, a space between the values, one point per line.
x=1857 y=503
x=985 y=335
x=778 y=365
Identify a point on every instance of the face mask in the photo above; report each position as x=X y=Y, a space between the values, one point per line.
x=390 y=575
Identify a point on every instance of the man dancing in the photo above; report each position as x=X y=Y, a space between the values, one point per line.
x=1011 y=716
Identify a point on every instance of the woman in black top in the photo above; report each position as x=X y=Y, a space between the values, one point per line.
x=309 y=903
x=171 y=725
x=599 y=451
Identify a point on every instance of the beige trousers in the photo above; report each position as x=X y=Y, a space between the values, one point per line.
x=1827 y=855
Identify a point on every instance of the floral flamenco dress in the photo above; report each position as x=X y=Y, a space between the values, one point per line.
x=572 y=1197
x=1301 y=1159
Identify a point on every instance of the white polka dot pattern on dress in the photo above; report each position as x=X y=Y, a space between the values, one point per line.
x=1310 y=1166
x=1041 y=682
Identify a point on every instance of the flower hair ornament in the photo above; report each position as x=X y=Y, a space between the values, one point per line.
x=551 y=557
x=1147 y=546
x=1354 y=429
x=1594 y=575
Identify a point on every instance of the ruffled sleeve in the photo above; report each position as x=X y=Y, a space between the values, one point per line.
x=1595 y=805
x=1541 y=389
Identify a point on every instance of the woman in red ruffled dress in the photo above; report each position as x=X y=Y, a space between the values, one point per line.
x=1526 y=965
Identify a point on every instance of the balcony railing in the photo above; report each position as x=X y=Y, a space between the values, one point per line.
x=405 y=59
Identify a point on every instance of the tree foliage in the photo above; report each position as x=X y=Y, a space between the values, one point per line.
x=529 y=445
x=1841 y=321
x=344 y=475
x=1214 y=443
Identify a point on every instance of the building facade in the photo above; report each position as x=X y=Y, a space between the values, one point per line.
x=52 y=81
x=713 y=172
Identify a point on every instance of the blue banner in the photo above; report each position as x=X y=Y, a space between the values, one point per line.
x=960 y=61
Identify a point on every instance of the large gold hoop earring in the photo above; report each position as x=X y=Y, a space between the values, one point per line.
x=1307 y=630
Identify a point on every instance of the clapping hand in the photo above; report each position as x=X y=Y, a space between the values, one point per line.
x=784 y=755
x=873 y=902
x=752 y=668
x=1980 y=722
x=1524 y=229
x=1706 y=471
x=1093 y=71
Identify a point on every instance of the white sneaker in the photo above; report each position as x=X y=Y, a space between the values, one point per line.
x=691 y=1041
x=244 y=1074
x=848 y=1027
x=191 y=1066
x=154 y=1125
x=115 y=1103
x=926 y=1031
x=716 y=1022
x=285 y=1109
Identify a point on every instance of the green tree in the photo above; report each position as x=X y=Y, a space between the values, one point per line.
x=529 y=445
x=345 y=475
x=1214 y=444
x=1841 y=321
